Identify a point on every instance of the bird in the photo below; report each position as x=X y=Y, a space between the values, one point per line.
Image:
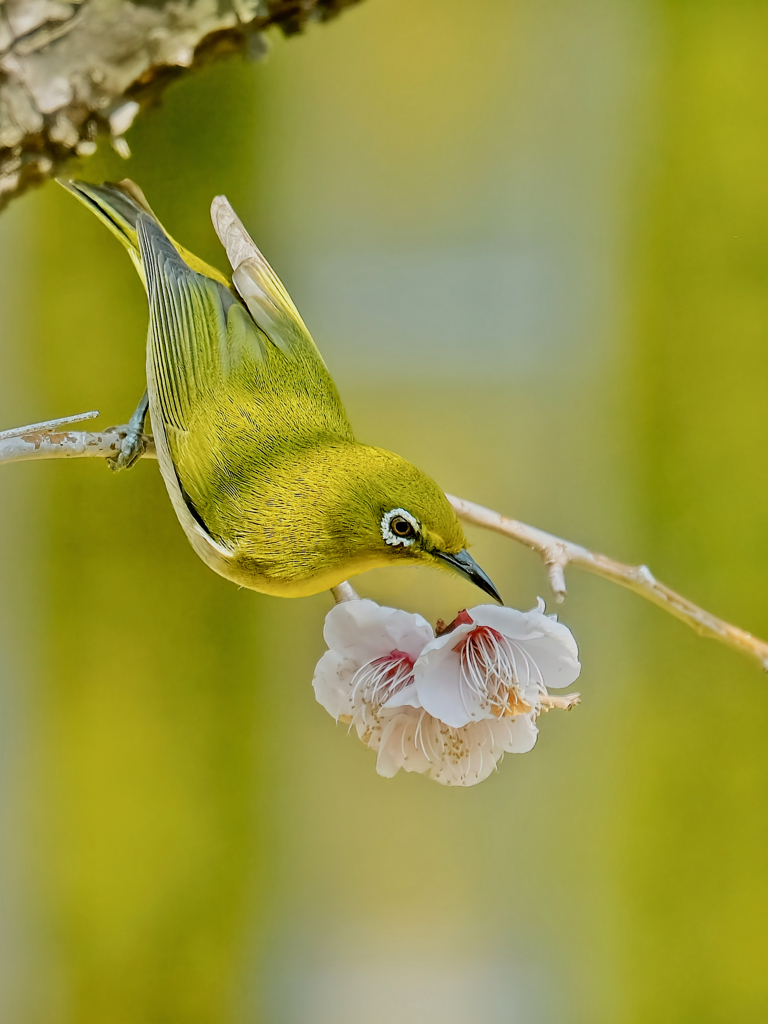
x=265 y=475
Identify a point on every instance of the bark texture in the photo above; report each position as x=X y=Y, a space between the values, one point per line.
x=72 y=69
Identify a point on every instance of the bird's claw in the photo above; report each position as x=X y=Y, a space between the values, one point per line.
x=132 y=447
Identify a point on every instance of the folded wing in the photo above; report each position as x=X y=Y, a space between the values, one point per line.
x=258 y=285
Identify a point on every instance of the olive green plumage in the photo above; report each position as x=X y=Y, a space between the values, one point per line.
x=257 y=453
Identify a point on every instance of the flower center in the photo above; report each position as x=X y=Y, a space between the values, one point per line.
x=376 y=681
x=488 y=671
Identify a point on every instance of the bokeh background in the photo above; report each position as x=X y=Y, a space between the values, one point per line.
x=531 y=239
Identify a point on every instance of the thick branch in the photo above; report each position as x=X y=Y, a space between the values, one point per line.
x=37 y=441
x=70 y=445
x=26 y=443
x=73 y=69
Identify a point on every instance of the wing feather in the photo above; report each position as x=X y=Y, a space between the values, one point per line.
x=188 y=323
x=259 y=287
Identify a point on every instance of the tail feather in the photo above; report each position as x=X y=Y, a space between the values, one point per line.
x=119 y=205
x=115 y=205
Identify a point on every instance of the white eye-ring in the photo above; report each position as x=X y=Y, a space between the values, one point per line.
x=399 y=528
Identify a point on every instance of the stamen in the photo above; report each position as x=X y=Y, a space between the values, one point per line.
x=489 y=672
x=378 y=680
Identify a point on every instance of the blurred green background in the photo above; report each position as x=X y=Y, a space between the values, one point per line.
x=531 y=239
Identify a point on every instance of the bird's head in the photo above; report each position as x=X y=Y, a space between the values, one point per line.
x=392 y=513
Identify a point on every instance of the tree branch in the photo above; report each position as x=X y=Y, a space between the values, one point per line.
x=557 y=554
x=23 y=444
x=71 y=70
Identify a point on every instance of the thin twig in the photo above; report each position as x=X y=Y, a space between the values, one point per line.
x=551 y=702
x=344 y=592
x=49 y=424
x=556 y=553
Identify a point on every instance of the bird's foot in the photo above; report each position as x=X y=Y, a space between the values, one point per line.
x=132 y=444
x=132 y=447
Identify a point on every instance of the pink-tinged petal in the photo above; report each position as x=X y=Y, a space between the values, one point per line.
x=530 y=625
x=364 y=631
x=441 y=687
x=509 y=622
x=332 y=683
x=545 y=650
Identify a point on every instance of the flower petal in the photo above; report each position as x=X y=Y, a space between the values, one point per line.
x=515 y=735
x=549 y=644
x=364 y=631
x=400 y=746
x=509 y=622
x=407 y=697
x=441 y=688
x=553 y=659
x=332 y=683
x=417 y=742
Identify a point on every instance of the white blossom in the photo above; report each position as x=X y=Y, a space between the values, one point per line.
x=371 y=655
x=448 y=706
x=416 y=741
x=497 y=662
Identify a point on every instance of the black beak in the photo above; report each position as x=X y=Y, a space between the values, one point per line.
x=464 y=564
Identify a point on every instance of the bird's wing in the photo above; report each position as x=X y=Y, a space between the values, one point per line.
x=198 y=329
x=198 y=335
x=225 y=393
x=260 y=288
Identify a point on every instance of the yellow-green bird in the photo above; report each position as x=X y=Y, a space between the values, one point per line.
x=259 y=459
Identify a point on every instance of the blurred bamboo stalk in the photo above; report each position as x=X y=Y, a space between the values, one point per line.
x=556 y=553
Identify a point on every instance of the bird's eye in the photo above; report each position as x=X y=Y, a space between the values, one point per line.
x=399 y=528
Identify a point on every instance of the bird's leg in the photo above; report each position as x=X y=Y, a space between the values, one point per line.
x=132 y=446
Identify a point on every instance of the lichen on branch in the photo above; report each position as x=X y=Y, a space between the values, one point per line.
x=71 y=70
